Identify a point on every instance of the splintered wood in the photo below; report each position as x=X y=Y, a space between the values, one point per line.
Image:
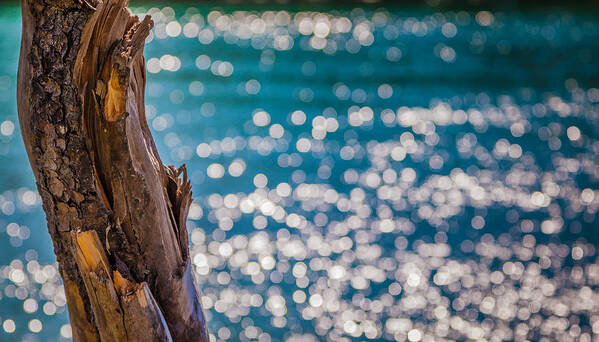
x=123 y=310
x=115 y=213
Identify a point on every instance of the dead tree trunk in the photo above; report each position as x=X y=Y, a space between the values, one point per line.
x=116 y=214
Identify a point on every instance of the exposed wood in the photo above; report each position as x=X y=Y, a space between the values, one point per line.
x=94 y=268
x=143 y=319
x=123 y=310
x=115 y=213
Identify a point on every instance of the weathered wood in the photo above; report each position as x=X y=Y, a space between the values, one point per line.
x=82 y=114
x=123 y=310
x=94 y=268
x=143 y=318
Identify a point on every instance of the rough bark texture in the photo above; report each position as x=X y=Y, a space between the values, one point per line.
x=116 y=214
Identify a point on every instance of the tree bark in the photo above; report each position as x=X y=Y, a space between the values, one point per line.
x=115 y=213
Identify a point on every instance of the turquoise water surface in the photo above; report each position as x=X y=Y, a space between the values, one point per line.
x=358 y=174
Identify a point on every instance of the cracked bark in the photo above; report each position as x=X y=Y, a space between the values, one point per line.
x=115 y=213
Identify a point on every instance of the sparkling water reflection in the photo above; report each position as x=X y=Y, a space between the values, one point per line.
x=358 y=175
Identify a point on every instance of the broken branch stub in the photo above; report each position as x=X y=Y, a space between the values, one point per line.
x=82 y=113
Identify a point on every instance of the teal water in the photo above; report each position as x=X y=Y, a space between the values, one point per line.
x=358 y=174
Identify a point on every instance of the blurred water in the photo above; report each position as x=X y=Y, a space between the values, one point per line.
x=358 y=174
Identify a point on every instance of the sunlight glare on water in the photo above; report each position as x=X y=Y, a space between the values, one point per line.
x=358 y=174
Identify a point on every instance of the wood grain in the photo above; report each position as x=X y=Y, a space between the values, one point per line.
x=115 y=213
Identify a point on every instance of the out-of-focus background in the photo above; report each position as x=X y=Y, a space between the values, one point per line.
x=380 y=172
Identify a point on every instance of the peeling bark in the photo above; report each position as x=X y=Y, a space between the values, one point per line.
x=115 y=213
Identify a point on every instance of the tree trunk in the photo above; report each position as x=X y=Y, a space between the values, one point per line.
x=116 y=214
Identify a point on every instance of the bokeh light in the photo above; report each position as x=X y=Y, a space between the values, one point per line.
x=358 y=174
